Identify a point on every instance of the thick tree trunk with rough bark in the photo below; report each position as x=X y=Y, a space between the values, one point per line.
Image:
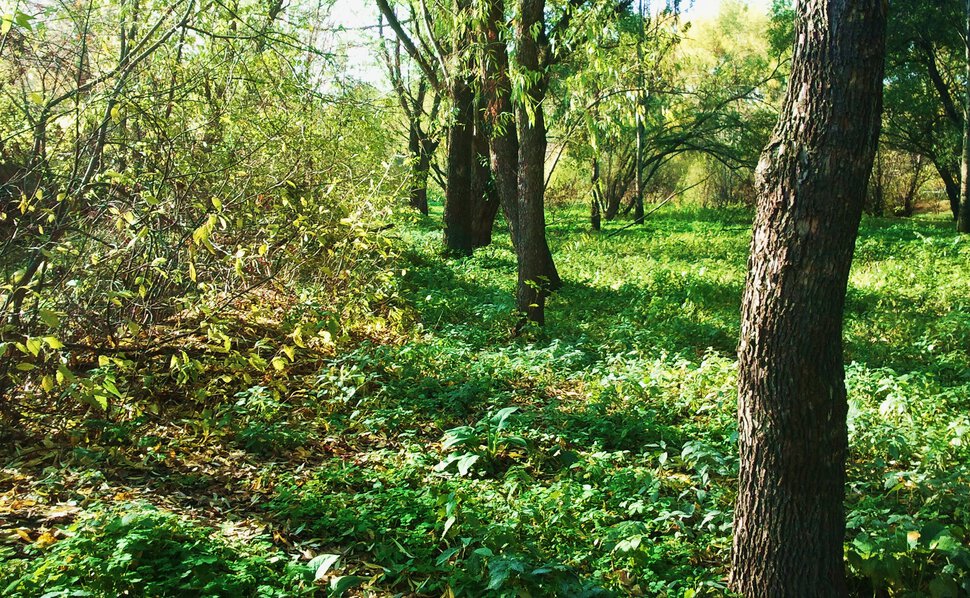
x=503 y=141
x=789 y=518
x=517 y=148
x=537 y=272
x=459 y=235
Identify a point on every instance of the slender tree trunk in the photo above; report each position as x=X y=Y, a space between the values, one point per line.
x=789 y=518
x=485 y=199
x=458 y=236
x=877 y=187
x=595 y=220
x=420 y=163
x=951 y=185
x=641 y=111
x=963 y=216
x=909 y=200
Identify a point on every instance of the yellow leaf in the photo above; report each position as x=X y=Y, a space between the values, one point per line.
x=33 y=346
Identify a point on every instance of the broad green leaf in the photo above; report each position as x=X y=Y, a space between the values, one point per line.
x=321 y=564
x=339 y=585
x=50 y=318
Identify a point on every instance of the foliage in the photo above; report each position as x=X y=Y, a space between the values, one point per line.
x=178 y=192
x=136 y=549
x=229 y=366
x=708 y=89
x=606 y=442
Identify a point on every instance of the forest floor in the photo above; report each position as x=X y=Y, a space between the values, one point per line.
x=443 y=455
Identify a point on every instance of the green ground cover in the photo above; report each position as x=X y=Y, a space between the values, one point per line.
x=435 y=452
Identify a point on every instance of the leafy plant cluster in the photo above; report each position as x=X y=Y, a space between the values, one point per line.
x=137 y=549
x=180 y=195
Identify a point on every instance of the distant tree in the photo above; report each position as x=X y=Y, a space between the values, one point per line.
x=438 y=44
x=414 y=102
x=708 y=90
x=789 y=518
x=922 y=108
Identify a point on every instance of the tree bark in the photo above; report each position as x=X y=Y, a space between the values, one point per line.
x=595 y=218
x=421 y=163
x=538 y=276
x=789 y=518
x=503 y=141
x=877 y=188
x=963 y=215
x=517 y=148
x=485 y=199
x=951 y=185
x=458 y=235
x=909 y=200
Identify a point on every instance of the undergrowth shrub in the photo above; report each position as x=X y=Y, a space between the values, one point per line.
x=135 y=549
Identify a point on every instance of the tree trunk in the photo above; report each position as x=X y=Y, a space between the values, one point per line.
x=909 y=200
x=537 y=272
x=459 y=237
x=878 y=207
x=420 y=163
x=789 y=518
x=517 y=147
x=952 y=187
x=963 y=215
x=503 y=142
x=595 y=219
x=485 y=200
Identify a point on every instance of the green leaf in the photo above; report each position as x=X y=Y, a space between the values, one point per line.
x=50 y=318
x=339 y=585
x=458 y=436
x=110 y=387
x=321 y=564
x=501 y=417
x=465 y=463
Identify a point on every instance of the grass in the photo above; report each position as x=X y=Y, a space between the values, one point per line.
x=388 y=467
